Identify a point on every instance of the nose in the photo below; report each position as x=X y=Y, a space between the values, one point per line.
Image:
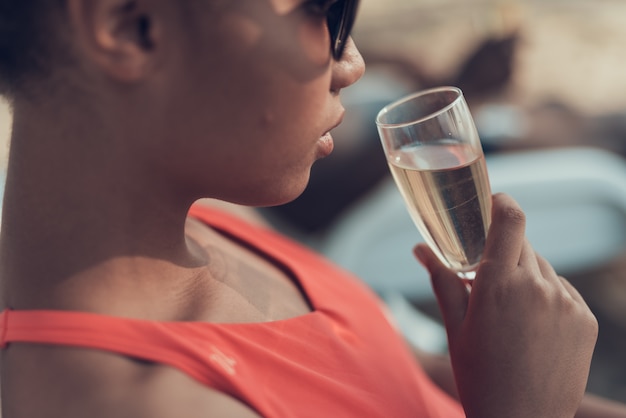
x=349 y=69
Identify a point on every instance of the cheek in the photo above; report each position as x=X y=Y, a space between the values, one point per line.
x=254 y=100
x=298 y=113
x=315 y=42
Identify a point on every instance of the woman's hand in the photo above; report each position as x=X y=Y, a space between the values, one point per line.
x=521 y=342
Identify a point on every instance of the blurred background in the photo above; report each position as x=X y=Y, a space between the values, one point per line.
x=545 y=82
x=536 y=73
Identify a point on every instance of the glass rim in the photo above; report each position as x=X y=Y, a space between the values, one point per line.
x=412 y=96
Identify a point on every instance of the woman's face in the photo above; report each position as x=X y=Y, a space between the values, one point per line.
x=256 y=92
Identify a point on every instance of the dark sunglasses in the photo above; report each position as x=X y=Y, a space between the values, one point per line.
x=340 y=18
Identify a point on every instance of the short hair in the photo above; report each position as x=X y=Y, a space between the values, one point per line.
x=28 y=34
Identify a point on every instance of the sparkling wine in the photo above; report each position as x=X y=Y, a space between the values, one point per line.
x=447 y=193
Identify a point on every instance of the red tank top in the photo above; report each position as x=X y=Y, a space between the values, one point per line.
x=344 y=359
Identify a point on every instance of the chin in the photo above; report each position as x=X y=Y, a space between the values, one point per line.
x=279 y=195
x=265 y=191
x=281 y=199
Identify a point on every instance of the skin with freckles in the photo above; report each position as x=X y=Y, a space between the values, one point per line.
x=166 y=102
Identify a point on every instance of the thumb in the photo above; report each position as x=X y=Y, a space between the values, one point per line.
x=452 y=294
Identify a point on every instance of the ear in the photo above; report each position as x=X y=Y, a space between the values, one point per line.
x=120 y=37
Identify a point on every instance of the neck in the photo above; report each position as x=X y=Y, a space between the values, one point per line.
x=74 y=222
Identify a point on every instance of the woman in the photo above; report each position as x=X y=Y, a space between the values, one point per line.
x=117 y=303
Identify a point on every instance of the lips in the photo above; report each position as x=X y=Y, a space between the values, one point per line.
x=326 y=143
x=339 y=120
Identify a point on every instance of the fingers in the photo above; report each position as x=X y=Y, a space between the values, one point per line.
x=528 y=257
x=506 y=243
x=573 y=292
x=452 y=294
x=549 y=274
x=545 y=267
x=507 y=246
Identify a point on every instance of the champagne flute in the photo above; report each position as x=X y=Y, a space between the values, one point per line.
x=436 y=159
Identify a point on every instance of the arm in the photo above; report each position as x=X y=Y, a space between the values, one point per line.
x=439 y=369
x=78 y=383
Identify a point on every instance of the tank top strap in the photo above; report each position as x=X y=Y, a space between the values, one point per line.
x=169 y=343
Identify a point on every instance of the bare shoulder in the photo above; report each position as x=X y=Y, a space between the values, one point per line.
x=88 y=383
x=170 y=393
